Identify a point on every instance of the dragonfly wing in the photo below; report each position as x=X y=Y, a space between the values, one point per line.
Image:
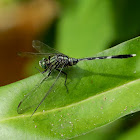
x=29 y=101
x=48 y=90
x=32 y=98
x=43 y=48
x=30 y=54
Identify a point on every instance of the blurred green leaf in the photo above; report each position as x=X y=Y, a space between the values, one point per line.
x=132 y=134
x=85 y=27
x=100 y=92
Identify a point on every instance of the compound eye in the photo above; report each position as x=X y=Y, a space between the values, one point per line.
x=44 y=59
x=44 y=65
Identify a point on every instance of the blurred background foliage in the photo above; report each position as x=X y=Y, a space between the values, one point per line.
x=78 y=28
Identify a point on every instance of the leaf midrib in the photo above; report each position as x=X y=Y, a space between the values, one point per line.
x=71 y=105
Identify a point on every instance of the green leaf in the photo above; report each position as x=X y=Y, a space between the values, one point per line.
x=132 y=134
x=100 y=92
x=85 y=26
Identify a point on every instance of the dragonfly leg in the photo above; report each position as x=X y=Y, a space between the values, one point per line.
x=65 y=79
x=44 y=71
x=40 y=71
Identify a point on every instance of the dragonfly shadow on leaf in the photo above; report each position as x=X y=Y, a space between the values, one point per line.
x=84 y=83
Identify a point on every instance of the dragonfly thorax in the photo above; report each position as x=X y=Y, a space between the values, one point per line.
x=66 y=61
x=57 y=61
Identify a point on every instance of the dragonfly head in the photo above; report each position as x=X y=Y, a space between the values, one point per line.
x=43 y=63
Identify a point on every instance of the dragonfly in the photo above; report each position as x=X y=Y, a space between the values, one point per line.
x=54 y=60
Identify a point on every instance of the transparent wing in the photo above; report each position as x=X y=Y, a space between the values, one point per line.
x=36 y=96
x=32 y=99
x=31 y=54
x=43 y=48
x=49 y=90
